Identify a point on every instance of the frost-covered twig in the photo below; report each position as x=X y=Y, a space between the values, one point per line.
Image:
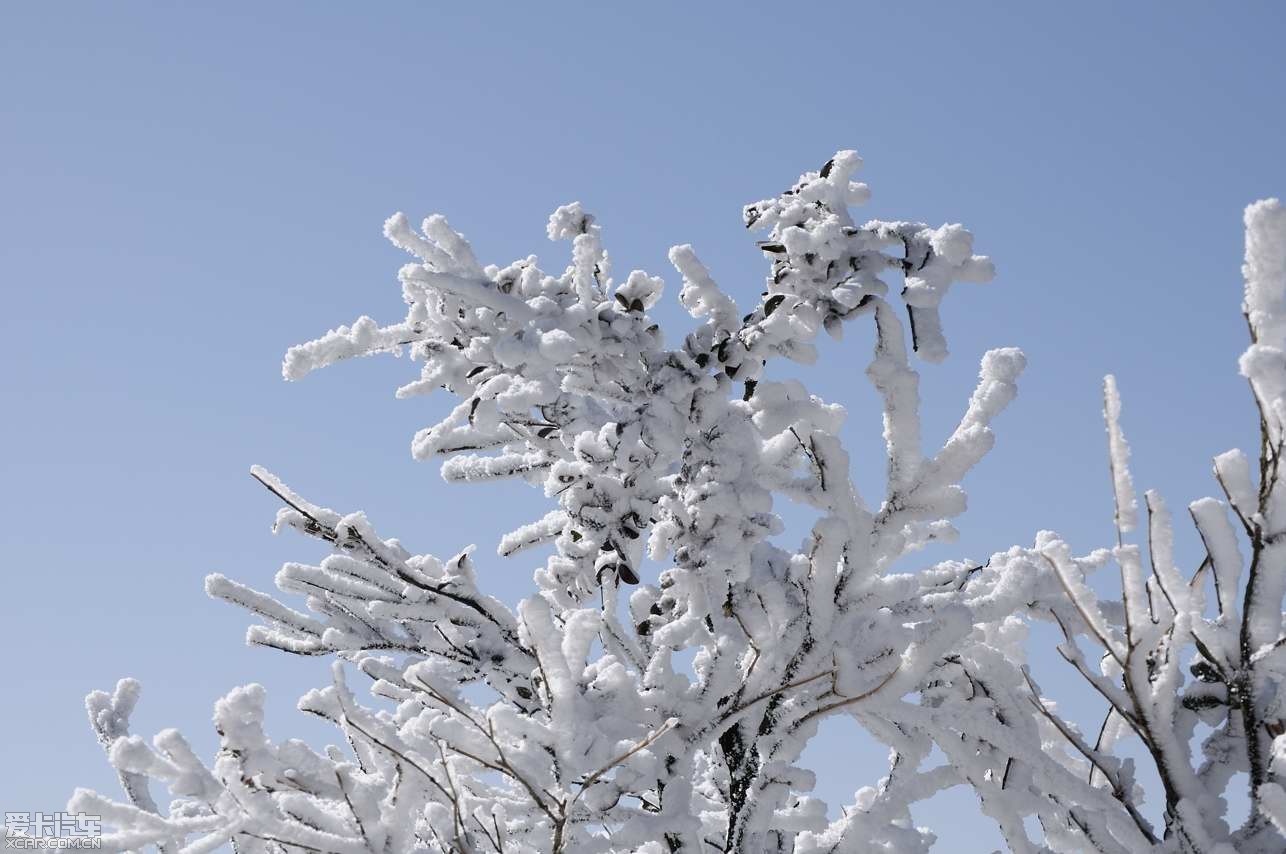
x=1162 y=621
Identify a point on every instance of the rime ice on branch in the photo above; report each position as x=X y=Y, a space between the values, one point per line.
x=1177 y=650
x=563 y=725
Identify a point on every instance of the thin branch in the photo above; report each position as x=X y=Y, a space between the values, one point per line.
x=641 y=745
x=848 y=701
x=1095 y=758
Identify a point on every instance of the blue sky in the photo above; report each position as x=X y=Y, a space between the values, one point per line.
x=185 y=191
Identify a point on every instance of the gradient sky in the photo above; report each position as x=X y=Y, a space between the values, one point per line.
x=185 y=191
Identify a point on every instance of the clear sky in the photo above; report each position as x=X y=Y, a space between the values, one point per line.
x=185 y=191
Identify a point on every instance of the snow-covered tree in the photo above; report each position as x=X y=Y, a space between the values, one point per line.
x=568 y=724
